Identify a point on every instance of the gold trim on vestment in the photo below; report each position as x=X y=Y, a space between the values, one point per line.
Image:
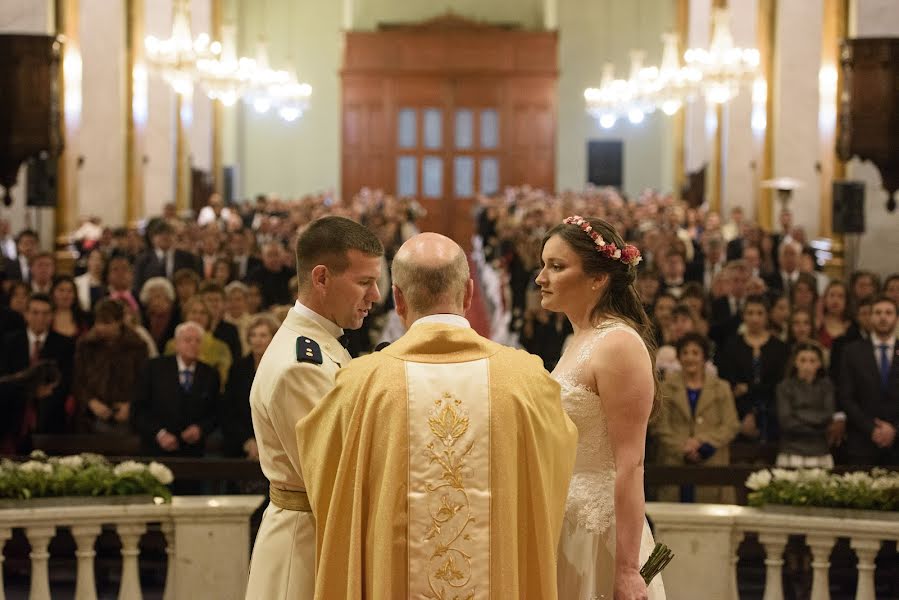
x=295 y=500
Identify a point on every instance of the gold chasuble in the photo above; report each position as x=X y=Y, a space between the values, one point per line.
x=438 y=468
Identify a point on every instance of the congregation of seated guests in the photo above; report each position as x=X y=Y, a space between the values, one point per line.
x=155 y=332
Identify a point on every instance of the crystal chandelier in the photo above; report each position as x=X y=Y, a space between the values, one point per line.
x=184 y=61
x=176 y=57
x=723 y=68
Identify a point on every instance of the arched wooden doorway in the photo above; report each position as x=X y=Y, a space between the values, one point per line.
x=448 y=109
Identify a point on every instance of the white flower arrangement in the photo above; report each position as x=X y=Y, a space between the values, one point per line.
x=877 y=490
x=81 y=475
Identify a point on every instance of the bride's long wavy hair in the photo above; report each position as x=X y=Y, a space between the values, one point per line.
x=620 y=299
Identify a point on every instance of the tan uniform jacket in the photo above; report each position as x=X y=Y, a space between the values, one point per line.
x=285 y=390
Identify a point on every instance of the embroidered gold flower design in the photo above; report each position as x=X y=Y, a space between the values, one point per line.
x=449 y=566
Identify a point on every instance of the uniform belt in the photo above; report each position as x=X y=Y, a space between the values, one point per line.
x=289 y=499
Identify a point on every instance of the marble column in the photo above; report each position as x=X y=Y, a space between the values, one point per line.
x=101 y=171
x=740 y=156
x=159 y=141
x=796 y=140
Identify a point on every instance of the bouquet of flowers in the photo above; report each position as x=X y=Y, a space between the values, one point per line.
x=877 y=490
x=82 y=475
x=658 y=560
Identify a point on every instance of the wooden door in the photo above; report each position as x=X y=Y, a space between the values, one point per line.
x=445 y=111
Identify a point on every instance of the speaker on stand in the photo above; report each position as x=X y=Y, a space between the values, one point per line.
x=849 y=217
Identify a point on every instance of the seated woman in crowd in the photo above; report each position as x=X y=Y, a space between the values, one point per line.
x=160 y=315
x=237 y=424
x=18 y=296
x=254 y=297
x=804 y=293
x=753 y=362
x=222 y=271
x=835 y=319
x=697 y=422
x=213 y=351
x=661 y=316
x=694 y=298
x=805 y=407
x=90 y=283
x=779 y=318
x=21 y=396
x=187 y=283
x=103 y=395
x=68 y=318
x=236 y=311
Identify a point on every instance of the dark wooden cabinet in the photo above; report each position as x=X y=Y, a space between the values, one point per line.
x=445 y=110
x=869 y=107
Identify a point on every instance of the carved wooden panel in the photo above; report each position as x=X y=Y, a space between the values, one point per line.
x=869 y=108
x=448 y=108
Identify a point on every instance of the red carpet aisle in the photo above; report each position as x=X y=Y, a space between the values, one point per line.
x=477 y=316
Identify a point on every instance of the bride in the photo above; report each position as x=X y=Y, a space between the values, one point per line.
x=609 y=391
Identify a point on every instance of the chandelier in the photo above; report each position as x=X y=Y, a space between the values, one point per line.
x=723 y=68
x=716 y=73
x=184 y=61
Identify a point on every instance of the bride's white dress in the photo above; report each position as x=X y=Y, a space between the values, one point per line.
x=586 y=568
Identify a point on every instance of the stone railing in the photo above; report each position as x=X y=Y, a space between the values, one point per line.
x=207 y=543
x=705 y=539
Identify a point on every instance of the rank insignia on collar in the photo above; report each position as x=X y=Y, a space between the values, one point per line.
x=308 y=351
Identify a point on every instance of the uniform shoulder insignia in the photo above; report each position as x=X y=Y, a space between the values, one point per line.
x=308 y=351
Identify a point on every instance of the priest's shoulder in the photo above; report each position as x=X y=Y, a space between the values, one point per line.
x=517 y=358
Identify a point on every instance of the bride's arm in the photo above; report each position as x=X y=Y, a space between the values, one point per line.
x=624 y=380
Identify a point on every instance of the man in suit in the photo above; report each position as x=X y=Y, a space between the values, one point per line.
x=462 y=441
x=708 y=263
x=27 y=245
x=243 y=263
x=25 y=347
x=43 y=268
x=727 y=311
x=869 y=390
x=214 y=296
x=162 y=259
x=119 y=281
x=673 y=269
x=272 y=276
x=177 y=397
x=338 y=266
x=782 y=281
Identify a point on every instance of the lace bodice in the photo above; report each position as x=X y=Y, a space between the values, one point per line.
x=591 y=494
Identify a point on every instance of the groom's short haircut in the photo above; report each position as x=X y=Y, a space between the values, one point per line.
x=326 y=242
x=425 y=286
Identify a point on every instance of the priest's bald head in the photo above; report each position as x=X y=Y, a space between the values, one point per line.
x=430 y=276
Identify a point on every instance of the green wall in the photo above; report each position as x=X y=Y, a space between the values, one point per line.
x=294 y=158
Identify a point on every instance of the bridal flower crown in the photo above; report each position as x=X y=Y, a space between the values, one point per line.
x=629 y=255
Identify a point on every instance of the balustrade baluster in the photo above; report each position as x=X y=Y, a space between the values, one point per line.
x=85 y=537
x=130 y=535
x=168 y=530
x=5 y=534
x=39 y=537
x=774 y=544
x=736 y=539
x=866 y=549
x=821 y=547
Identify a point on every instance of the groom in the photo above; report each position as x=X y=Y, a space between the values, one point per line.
x=438 y=467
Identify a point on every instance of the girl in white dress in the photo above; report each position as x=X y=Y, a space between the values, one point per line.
x=609 y=390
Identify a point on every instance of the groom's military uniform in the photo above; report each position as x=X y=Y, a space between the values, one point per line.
x=438 y=467
x=297 y=370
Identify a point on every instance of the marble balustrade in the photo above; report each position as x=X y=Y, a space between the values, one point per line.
x=207 y=543
x=705 y=539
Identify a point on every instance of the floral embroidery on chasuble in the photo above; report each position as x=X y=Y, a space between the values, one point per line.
x=449 y=480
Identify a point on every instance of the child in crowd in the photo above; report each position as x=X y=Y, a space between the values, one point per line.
x=805 y=406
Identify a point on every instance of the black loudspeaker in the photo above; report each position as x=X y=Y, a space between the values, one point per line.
x=848 y=207
x=605 y=164
x=41 y=188
x=228 y=185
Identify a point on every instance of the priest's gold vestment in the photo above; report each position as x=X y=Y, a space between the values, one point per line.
x=438 y=468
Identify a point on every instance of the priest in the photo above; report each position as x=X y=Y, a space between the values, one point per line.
x=439 y=466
